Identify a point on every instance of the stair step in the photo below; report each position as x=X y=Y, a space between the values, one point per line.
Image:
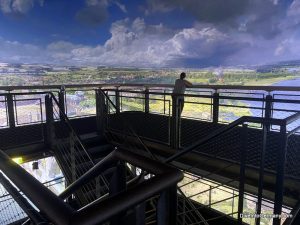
x=100 y=151
x=92 y=139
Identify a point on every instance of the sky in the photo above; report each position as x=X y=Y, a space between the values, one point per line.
x=149 y=33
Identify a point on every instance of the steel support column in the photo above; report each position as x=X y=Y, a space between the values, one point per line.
x=216 y=104
x=116 y=186
x=147 y=101
x=101 y=112
x=175 y=124
x=49 y=121
x=268 y=109
x=61 y=99
x=167 y=207
x=117 y=93
x=10 y=110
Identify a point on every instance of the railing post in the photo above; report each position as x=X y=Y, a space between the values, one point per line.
x=167 y=207
x=279 y=186
x=175 y=123
x=101 y=112
x=216 y=104
x=117 y=100
x=118 y=184
x=243 y=155
x=147 y=101
x=61 y=99
x=10 y=110
x=261 y=171
x=268 y=109
x=49 y=121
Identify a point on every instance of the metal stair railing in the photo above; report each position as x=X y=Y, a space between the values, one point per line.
x=279 y=179
x=290 y=142
x=72 y=156
x=57 y=211
x=197 y=215
x=243 y=120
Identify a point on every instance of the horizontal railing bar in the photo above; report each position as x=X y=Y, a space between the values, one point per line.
x=145 y=85
x=255 y=99
x=292 y=118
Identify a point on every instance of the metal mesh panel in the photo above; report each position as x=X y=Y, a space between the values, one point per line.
x=150 y=126
x=293 y=156
x=225 y=146
x=10 y=211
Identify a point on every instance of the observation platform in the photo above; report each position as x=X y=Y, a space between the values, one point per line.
x=241 y=141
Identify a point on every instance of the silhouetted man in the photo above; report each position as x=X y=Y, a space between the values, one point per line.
x=180 y=85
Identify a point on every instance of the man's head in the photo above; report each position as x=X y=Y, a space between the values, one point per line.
x=182 y=75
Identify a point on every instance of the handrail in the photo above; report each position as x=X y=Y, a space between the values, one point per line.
x=65 y=117
x=165 y=177
x=58 y=212
x=147 y=85
x=292 y=118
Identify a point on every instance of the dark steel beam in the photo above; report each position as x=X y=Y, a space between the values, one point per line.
x=53 y=208
x=22 y=202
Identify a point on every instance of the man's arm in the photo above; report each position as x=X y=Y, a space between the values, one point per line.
x=188 y=84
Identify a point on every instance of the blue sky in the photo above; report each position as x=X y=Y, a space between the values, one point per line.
x=149 y=33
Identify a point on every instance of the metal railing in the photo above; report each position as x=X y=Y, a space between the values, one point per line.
x=71 y=154
x=12 y=201
x=265 y=123
x=203 y=102
x=211 y=105
x=57 y=211
x=195 y=215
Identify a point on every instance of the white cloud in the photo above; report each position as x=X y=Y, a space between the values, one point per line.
x=136 y=43
x=18 y=6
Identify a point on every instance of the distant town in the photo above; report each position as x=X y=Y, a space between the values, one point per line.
x=45 y=74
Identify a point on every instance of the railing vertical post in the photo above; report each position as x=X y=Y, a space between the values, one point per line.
x=118 y=184
x=10 y=110
x=216 y=104
x=268 y=109
x=281 y=158
x=261 y=171
x=243 y=157
x=49 y=121
x=61 y=99
x=175 y=123
x=117 y=93
x=101 y=112
x=147 y=101
x=167 y=207
x=209 y=196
